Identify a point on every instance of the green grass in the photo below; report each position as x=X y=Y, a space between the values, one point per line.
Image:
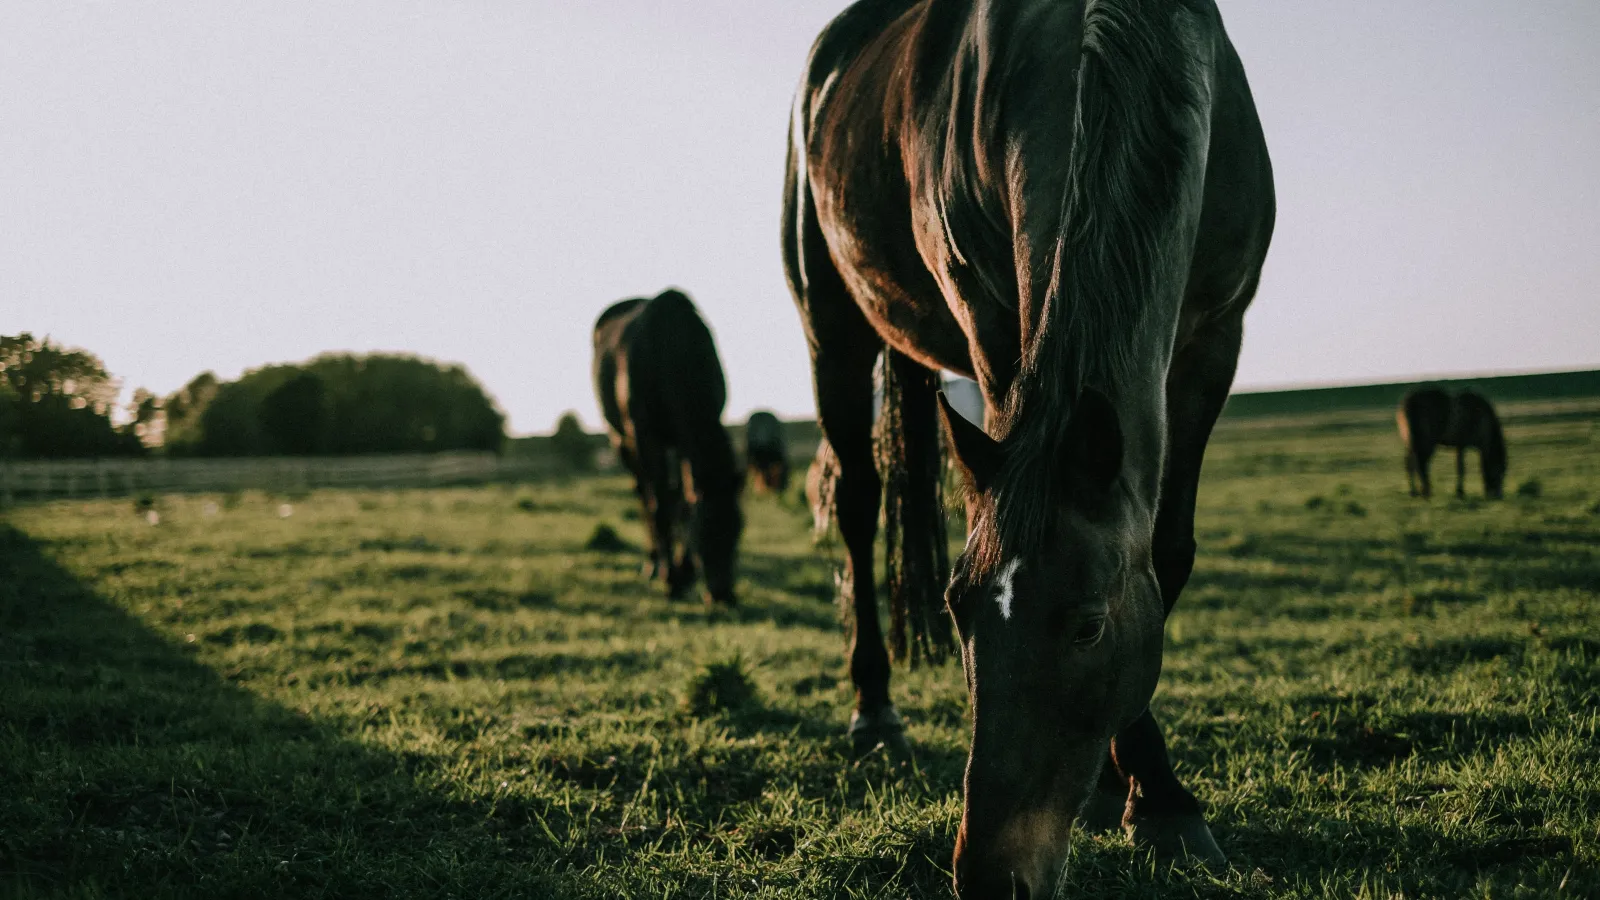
x=1501 y=389
x=444 y=694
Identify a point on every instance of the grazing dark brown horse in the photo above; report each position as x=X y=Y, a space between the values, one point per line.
x=1429 y=418
x=1070 y=202
x=766 y=452
x=660 y=386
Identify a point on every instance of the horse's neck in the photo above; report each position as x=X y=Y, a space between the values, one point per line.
x=1142 y=413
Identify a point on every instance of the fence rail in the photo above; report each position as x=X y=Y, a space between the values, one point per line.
x=41 y=480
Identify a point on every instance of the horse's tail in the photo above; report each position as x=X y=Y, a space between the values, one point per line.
x=1402 y=421
x=916 y=554
x=1124 y=232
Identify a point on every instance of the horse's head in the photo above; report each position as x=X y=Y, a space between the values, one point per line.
x=1061 y=644
x=714 y=529
x=776 y=476
x=1493 y=457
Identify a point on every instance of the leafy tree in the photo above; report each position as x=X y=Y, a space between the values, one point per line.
x=296 y=416
x=571 y=444
x=337 y=404
x=58 y=402
x=149 y=418
x=182 y=411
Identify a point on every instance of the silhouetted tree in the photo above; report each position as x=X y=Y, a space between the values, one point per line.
x=183 y=410
x=149 y=419
x=572 y=445
x=367 y=404
x=295 y=417
x=58 y=402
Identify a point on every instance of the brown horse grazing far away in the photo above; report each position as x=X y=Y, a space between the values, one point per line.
x=1069 y=201
x=661 y=389
x=766 y=453
x=1430 y=418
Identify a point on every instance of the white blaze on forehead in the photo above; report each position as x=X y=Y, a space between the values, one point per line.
x=1004 y=595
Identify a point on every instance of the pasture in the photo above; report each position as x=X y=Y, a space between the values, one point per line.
x=448 y=693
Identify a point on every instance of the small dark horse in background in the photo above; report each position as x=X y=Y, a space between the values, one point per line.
x=1069 y=201
x=661 y=388
x=1430 y=418
x=766 y=452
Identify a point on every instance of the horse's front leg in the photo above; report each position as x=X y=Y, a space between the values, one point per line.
x=1461 y=471
x=844 y=407
x=1157 y=809
x=630 y=461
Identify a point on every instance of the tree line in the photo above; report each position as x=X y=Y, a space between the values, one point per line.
x=57 y=401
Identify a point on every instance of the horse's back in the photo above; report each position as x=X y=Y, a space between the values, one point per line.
x=1475 y=419
x=956 y=120
x=764 y=432
x=675 y=378
x=1426 y=410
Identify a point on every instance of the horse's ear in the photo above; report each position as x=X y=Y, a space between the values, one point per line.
x=978 y=455
x=1094 y=440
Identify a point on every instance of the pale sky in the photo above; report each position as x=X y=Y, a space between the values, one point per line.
x=204 y=184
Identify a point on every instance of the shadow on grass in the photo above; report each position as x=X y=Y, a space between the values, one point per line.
x=1422 y=859
x=131 y=769
x=648 y=602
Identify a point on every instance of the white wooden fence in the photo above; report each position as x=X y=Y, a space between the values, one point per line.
x=39 y=480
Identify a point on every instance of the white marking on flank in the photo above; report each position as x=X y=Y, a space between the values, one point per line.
x=1004 y=596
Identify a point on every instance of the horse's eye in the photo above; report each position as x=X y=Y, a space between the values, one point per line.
x=1090 y=632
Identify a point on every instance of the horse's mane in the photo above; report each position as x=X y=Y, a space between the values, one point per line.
x=1118 y=247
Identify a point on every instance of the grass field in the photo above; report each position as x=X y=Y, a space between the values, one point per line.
x=444 y=694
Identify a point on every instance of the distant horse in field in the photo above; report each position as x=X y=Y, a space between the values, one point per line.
x=1069 y=201
x=1429 y=418
x=766 y=452
x=661 y=389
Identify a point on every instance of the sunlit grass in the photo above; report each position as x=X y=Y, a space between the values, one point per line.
x=445 y=693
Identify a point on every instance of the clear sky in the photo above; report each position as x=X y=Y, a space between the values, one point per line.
x=207 y=184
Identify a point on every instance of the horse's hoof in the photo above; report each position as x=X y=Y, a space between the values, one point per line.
x=1178 y=838
x=882 y=728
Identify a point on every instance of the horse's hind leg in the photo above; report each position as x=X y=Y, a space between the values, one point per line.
x=1159 y=811
x=1461 y=471
x=1411 y=471
x=844 y=410
x=844 y=347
